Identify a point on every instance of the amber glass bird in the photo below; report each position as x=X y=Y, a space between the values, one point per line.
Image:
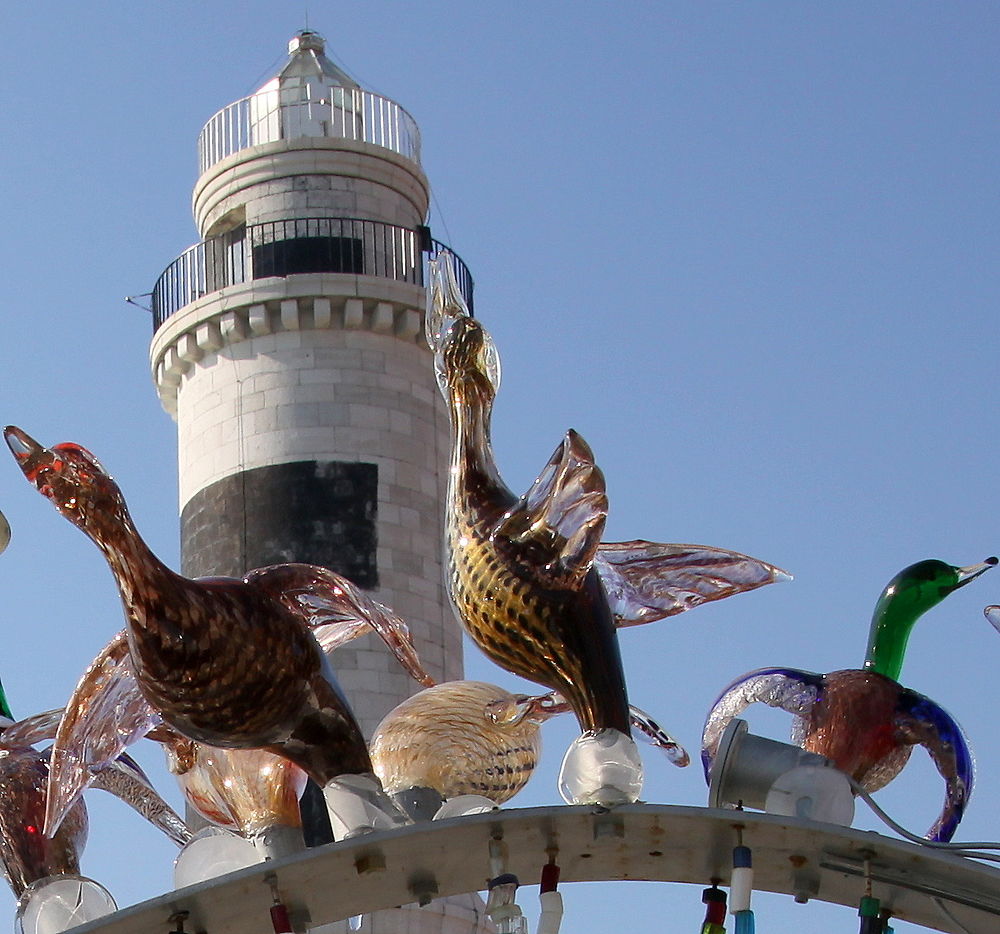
x=473 y=738
x=461 y=738
x=223 y=661
x=863 y=719
x=529 y=578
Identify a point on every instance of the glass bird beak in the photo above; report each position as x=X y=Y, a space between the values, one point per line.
x=30 y=455
x=967 y=574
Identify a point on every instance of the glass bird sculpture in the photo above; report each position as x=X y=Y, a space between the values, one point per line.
x=863 y=719
x=993 y=615
x=226 y=662
x=531 y=582
x=472 y=738
x=27 y=855
x=251 y=793
x=248 y=791
x=460 y=738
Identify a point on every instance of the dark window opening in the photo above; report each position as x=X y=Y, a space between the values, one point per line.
x=308 y=254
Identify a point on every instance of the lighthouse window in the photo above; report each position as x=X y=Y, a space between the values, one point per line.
x=308 y=254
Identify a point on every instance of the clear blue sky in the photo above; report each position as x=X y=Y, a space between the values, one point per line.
x=747 y=250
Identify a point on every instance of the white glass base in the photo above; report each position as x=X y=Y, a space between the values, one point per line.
x=211 y=853
x=58 y=903
x=601 y=767
x=358 y=805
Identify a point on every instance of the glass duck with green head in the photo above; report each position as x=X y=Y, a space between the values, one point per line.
x=864 y=720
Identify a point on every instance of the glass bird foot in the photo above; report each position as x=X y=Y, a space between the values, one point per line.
x=358 y=805
x=58 y=903
x=601 y=767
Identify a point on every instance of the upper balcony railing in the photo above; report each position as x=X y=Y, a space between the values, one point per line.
x=347 y=113
x=302 y=245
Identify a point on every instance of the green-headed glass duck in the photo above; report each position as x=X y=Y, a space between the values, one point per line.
x=864 y=720
x=531 y=581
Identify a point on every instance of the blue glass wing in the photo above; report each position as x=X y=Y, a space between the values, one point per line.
x=923 y=722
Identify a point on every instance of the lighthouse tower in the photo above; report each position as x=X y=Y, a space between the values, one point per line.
x=288 y=346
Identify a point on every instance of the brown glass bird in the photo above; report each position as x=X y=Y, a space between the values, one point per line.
x=224 y=661
x=529 y=578
x=248 y=790
x=26 y=853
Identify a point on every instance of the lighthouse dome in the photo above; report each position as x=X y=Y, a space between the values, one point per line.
x=308 y=69
x=310 y=96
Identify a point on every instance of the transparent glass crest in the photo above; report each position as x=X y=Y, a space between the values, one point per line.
x=444 y=299
x=491 y=361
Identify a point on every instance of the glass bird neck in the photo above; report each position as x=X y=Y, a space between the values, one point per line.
x=4 y=706
x=892 y=623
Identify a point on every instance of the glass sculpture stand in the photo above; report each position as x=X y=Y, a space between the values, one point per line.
x=665 y=843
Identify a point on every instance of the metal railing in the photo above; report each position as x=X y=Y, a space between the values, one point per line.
x=303 y=245
x=347 y=113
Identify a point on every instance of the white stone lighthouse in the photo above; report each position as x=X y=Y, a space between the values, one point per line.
x=289 y=349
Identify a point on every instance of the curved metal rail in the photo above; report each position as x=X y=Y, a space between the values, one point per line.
x=639 y=842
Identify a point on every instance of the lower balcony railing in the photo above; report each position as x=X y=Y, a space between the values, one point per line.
x=302 y=245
